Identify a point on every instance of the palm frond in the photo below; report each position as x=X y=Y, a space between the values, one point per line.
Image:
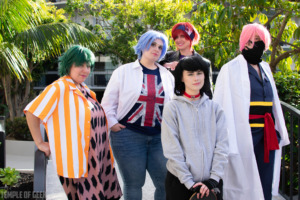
x=51 y=38
x=15 y=61
x=17 y=15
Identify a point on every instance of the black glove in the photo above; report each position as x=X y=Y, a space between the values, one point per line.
x=210 y=183
x=196 y=189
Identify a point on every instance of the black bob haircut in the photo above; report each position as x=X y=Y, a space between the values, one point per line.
x=191 y=64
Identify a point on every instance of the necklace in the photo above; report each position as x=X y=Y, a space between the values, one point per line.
x=191 y=96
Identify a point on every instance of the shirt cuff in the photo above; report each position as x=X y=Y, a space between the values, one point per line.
x=112 y=122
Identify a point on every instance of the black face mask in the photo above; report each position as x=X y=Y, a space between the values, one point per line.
x=253 y=56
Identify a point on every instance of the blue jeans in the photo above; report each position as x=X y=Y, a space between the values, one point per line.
x=135 y=153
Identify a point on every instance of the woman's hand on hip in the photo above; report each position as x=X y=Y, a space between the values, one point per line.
x=44 y=147
x=34 y=127
x=117 y=127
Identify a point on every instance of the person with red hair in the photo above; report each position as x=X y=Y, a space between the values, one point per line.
x=246 y=90
x=186 y=36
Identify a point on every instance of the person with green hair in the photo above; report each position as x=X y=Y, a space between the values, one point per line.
x=77 y=55
x=77 y=130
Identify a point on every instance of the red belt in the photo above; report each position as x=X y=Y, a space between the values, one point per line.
x=270 y=137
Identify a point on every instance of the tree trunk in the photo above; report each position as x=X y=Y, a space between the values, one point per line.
x=17 y=96
x=21 y=97
x=22 y=94
x=6 y=82
x=276 y=43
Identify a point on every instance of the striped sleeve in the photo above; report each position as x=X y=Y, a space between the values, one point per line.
x=44 y=104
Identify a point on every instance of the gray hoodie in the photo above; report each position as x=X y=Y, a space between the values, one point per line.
x=194 y=139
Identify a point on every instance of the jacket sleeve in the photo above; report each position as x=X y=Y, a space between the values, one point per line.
x=167 y=58
x=223 y=96
x=209 y=92
x=172 y=148
x=277 y=110
x=110 y=99
x=221 y=148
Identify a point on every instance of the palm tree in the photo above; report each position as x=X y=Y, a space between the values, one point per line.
x=29 y=33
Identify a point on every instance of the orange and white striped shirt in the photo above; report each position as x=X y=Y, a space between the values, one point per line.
x=66 y=114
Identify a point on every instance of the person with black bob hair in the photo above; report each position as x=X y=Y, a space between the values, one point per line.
x=191 y=65
x=194 y=136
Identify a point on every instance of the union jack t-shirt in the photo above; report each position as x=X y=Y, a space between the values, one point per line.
x=145 y=116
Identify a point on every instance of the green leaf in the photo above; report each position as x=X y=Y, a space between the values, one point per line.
x=14 y=60
x=296 y=34
x=221 y=15
x=9 y=176
x=262 y=18
x=229 y=12
x=253 y=17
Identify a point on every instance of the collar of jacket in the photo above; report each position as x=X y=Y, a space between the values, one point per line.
x=178 y=54
x=137 y=65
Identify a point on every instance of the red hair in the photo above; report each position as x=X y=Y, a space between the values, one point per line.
x=177 y=32
x=189 y=32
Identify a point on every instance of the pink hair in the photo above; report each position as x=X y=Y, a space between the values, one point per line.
x=249 y=31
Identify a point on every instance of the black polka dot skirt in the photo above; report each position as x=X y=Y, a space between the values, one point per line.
x=102 y=182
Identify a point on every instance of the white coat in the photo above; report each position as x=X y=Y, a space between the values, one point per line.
x=232 y=92
x=124 y=89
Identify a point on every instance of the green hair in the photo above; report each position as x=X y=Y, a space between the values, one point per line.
x=77 y=55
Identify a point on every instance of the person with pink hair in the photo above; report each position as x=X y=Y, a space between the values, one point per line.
x=246 y=90
x=185 y=36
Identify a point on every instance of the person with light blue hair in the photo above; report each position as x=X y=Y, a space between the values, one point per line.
x=147 y=39
x=133 y=102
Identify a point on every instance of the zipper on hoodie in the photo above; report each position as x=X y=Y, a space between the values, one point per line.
x=198 y=128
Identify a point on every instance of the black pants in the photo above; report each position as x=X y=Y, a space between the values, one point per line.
x=177 y=191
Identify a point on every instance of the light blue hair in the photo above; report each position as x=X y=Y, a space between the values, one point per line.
x=147 y=39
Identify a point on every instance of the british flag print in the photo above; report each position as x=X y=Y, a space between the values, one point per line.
x=151 y=98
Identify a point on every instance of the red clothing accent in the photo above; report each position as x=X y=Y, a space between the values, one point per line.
x=191 y=96
x=270 y=138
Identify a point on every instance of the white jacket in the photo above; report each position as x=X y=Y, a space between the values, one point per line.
x=124 y=89
x=232 y=92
